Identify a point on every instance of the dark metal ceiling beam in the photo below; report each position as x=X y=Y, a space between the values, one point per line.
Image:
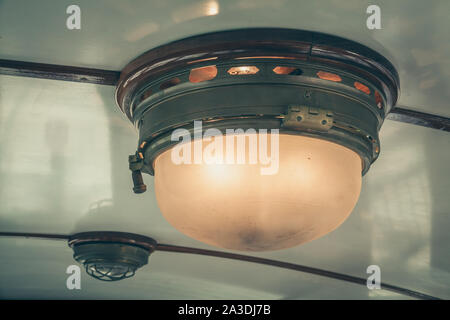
x=419 y=118
x=246 y=258
x=35 y=235
x=58 y=72
x=292 y=266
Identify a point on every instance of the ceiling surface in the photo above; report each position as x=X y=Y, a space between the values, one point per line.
x=64 y=148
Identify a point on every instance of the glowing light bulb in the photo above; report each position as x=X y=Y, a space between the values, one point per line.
x=232 y=205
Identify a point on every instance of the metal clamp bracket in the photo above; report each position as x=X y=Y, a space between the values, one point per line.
x=136 y=163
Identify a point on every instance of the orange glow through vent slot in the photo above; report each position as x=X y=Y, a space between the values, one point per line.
x=329 y=76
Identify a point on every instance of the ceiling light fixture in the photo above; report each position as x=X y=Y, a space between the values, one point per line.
x=326 y=96
x=111 y=256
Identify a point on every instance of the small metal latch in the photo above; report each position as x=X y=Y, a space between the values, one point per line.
x=136 y=162
x=304 y=117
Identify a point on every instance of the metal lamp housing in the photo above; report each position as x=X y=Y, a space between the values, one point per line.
x=301 y=83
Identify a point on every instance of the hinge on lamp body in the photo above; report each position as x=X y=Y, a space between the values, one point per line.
x=308 y=118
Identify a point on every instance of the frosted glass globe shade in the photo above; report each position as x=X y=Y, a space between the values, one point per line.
x=234 y=206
